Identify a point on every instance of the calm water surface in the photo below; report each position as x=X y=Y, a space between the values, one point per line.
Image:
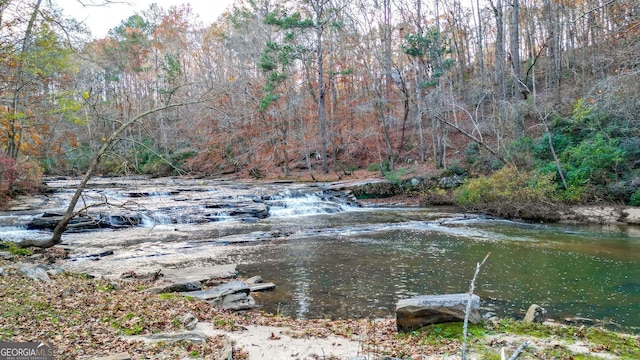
x=358 y=264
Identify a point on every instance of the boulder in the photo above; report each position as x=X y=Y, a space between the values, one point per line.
x=238 y=302
x=419 y=311
x=254 y=280
x=35 y=272
x=535 y=314
x=227 y=350
x=189 y=321
x=56 y=271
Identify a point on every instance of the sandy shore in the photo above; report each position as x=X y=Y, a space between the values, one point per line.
x=603 y=214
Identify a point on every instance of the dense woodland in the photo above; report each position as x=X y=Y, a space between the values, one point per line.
x=543 y=94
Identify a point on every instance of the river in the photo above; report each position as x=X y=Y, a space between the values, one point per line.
x=333 y=259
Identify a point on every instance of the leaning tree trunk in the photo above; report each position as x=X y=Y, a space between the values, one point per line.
x=70 y=213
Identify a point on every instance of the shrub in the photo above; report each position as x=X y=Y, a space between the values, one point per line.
x=436 y=196
x=7 y=177
x=380 y=166
x=635 y=198
x=512 y=194
x=156 y=167
x=594 y=160
x=17 y=178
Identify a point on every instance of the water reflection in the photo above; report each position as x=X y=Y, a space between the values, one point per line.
x=572 y=271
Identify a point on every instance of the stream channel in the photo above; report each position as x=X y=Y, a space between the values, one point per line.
x=332 y=257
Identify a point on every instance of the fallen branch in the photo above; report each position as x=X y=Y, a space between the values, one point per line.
x=515 y=355
x=468 y=311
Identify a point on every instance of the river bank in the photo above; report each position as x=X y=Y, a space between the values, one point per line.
x=87 y=318
x=384 y=249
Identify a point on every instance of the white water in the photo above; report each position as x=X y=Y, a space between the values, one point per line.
x=303 y=204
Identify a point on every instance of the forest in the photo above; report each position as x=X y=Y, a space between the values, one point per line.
x=533 y=101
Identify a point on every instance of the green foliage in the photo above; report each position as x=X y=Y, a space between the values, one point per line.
x=68 y=107
x=77 y=159
x=593 y=160
x=172 y=67
x=14 y=249
x=378 y=167
x=277 y=57
x=635 y=198
x=395 y=177
x=282 y=20
x=596 y=153
x=442 y=334
x=429 y=46
x=150 y=159
x=129 y=324
x=580 y=111
x=509 y=193
x=481 y=160
x=597 y=338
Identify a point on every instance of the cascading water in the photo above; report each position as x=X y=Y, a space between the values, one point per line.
x=120 y=206
x=292 y=204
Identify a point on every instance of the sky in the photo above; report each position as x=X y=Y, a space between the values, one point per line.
x=100 y=19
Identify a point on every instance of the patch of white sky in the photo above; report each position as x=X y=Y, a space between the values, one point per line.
x=100 y=19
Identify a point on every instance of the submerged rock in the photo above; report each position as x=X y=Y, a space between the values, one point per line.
x=200 y=274
x=419 y=311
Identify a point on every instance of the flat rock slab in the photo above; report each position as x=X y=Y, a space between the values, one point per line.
x=170 y=287
x=419 y=311
x=232 y=296
x=193 y=336
x=219 y=292
x=118 y=356
x=262 y=287
x=200 y=273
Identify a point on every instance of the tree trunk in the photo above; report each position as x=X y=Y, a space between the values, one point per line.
x=322 y=111
x=515 y=64
x=14 y=141
x=480 y=40
x=386 y=110
x=499 y=48
x=70 y=213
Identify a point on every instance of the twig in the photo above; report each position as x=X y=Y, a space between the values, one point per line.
x=592 y=10
x=468 y=311
x=515 y=355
